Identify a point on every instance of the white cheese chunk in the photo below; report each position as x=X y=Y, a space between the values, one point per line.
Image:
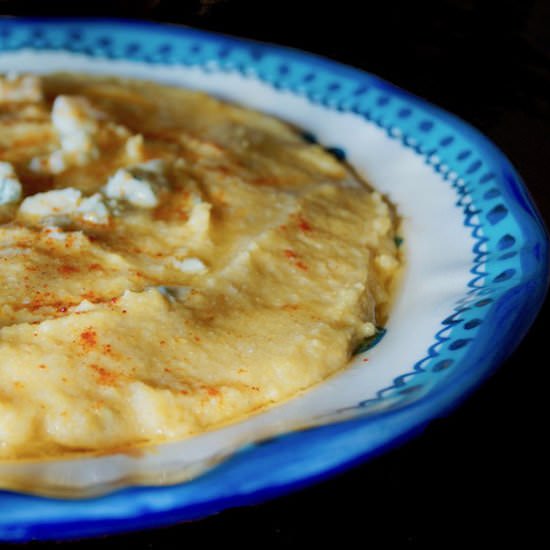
x=135 y=148
x=93 y=210
x=55 y=163
x=66 y=202
x=189 y=265
x=138 y=184
x=10 y=186
x=55 y=233
x=76 y=122
x=20 y=88
x=51 y=203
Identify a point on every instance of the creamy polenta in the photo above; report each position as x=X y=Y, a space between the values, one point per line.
x=169 y=263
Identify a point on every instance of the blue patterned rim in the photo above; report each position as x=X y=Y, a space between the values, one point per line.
x=509 y=278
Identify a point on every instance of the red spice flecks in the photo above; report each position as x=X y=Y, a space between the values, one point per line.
x=69 y=241
x=88 y=338
x=197 y=338
x=39 y=303
x=104 y=377
x=301 y=265
x=290 y=253
x=62 y=309
x=67 y=269
x=304 y=224
x=90 y=296
x=365 y=360
x=169 y=212
x=95 y=267
x=184 y=392
x=213 y=392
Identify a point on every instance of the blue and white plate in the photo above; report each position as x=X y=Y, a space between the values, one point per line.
x=477 y=270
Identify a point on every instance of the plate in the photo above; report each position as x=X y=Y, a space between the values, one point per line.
x=477 y=271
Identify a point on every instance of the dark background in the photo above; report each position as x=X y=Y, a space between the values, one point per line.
x=475 y=475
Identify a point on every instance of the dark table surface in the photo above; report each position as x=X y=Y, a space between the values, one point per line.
x=475 y=474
